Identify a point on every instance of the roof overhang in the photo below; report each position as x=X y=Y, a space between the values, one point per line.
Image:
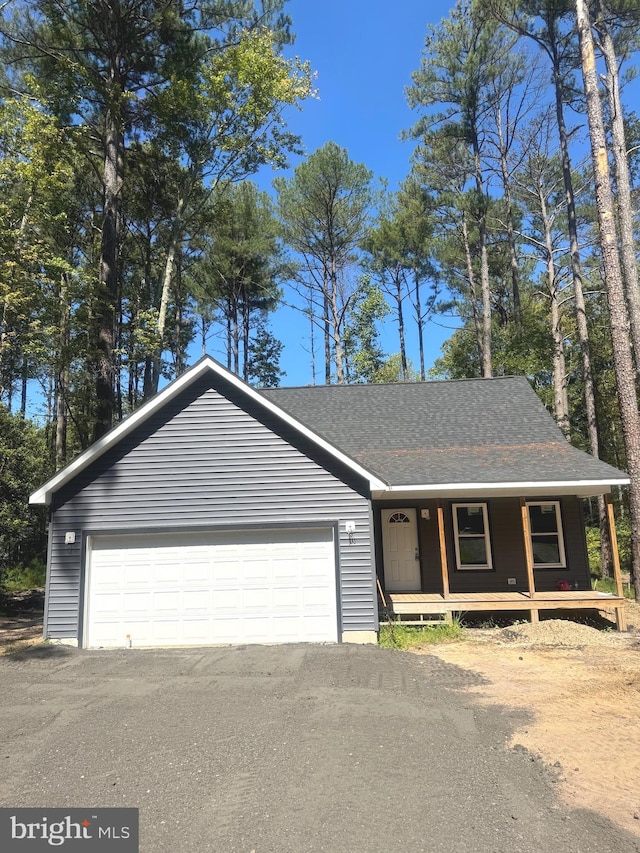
x=552 y=488
x=205 y=365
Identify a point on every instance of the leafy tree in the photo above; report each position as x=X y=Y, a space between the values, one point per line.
x=364 y=355
x=236 y=277
x=386 y=262
x=127 y=70
x=461 y=60
x=393 y=370
x=23 y=467
x=323 y=209
x=263 y=359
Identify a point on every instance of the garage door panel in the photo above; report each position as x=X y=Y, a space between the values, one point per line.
x=196 y=631
x=140 y=601
x=197 y=572
x=107 y=604
x=196 y=601
x=167 y=602
x=285 y=598
x=256 y=599
x=249 y=587
x=227 y=629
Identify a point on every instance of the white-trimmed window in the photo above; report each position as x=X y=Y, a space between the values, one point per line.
x=471 y=536
x=547 y=541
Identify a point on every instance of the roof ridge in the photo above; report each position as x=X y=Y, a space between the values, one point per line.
x=416 y=383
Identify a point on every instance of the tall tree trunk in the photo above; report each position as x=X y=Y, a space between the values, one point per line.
x=229 y=334
x=246 y=324
x=335 y=325
x=106 y=308
x=24 y=383
x=179 y=360
x=471 y=277
x=400 y=315
x=618 y=316
x=235 y=338
x=173 y=248
x=561 y=409
x=62 y=375
x=312 y=340
x=327 y=336
x=485 y=284
x=578 y=290
x=511 y=239
x=420 y=324
x=623 y=180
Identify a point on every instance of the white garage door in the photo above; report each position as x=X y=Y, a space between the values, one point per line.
x=201 y=588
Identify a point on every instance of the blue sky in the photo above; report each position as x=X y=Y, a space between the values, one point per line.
x=363 y=54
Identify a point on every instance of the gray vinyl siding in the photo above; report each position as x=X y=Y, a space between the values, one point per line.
x=507 y=546
x=204 y=462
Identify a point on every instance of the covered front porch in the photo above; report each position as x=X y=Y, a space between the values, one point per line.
x=462 y=555
x=415 y=608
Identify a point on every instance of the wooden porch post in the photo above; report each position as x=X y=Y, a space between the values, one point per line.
x=444 y=564
x=613 y=538
x=528 y=550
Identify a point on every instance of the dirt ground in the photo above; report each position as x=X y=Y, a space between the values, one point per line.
x=582 y=688
x=21 y=621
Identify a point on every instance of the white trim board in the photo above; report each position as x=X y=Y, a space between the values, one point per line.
x=542 y=488
x=200 y=368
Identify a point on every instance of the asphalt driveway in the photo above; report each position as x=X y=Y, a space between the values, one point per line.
x=288 y=749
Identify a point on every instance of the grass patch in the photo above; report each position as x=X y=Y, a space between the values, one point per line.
x=609 y=585
x=394 y=636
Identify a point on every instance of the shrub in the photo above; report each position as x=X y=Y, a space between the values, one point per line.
x=23 y=578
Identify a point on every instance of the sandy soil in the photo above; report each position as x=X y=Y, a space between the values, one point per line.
x=582 y=687
x=21 y=621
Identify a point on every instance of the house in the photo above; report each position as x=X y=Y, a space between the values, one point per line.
x=217 y=513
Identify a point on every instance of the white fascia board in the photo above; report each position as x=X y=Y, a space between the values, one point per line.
x=581 y=488
x=44 y=493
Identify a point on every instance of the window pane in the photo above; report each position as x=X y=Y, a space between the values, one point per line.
x=546 y=549
x=543 y=518
x=473 y=552
x=470 y=520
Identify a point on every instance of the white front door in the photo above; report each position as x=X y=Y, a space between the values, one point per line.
x=400 y=550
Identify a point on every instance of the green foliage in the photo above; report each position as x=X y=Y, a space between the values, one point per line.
x=394 y=636
x=24 y=465
x=23 y=578
x=263 y=360
x=324 y=209
x=236 y=279
x=391 y=371
x=362 y=347
x=623 y=531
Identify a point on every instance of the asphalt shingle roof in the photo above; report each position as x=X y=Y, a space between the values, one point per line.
x=445 y=432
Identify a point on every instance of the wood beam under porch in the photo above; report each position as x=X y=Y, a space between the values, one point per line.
x=401 y=605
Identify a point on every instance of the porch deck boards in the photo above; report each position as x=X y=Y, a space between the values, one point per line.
x=421 y=603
